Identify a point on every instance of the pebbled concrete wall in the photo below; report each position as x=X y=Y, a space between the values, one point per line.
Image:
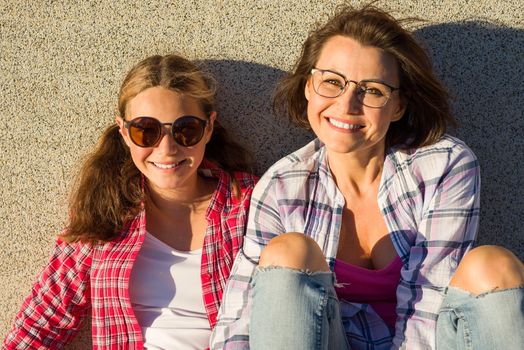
x=61 y=63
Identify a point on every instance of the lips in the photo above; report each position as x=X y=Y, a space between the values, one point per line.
x=169 y=165
x=344 y=124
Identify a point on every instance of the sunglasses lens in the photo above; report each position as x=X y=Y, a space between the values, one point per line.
x=188 y=131
x=144 y=131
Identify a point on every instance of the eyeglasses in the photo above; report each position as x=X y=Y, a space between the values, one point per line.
x=187 y=131
x=370 y=93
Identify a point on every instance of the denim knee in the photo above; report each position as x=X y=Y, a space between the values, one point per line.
x=492 y=320
x=295 y=309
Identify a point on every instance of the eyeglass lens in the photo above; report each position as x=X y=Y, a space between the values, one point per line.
x=147 y=131
x=369 y=93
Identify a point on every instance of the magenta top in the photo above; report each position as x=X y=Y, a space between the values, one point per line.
x=374 y=287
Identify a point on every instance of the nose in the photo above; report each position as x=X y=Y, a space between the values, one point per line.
x=167 y=143
x=348 y=101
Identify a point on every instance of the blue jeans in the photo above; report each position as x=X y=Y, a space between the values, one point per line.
x=286 y=302
x=491 y=321
x=295 y=309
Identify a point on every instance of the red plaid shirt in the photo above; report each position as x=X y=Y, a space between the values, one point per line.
x=83 y=277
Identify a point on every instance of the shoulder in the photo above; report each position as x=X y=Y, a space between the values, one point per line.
x=74 y=258
x=213 y=170
x=448 y=147
x=294 y=176
x=435 y=160
x=240 y=188
x=246 y=181
x=233 y=189
x=76 y=248
x=299 y=164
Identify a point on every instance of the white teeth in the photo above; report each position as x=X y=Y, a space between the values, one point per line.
x=343 y=125
x=167 y=166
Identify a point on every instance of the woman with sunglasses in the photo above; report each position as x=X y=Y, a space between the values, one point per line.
x=157 y=216
x=363 y=238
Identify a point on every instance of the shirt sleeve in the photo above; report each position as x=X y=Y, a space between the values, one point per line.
x=52 y=313
x=232 y=329
x=445 y=231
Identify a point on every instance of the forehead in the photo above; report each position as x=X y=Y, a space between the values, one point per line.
x=356 y=61
x=162 y=103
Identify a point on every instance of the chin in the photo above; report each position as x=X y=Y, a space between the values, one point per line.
x=165 y=184
x=339 y=147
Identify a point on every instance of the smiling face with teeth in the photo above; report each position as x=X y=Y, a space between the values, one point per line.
x=168 y=166
x=343 y=124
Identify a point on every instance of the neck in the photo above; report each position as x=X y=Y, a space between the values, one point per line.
x=356 y=173
x=178 y=218
x=188 y=198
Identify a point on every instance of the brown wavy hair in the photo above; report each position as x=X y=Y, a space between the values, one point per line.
x=428 y=112
x=108 y=191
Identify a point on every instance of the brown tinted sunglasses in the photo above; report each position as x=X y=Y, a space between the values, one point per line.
x=187 y=131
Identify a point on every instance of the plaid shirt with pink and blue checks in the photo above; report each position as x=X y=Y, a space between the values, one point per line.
x=82 y=278
x=429 y=199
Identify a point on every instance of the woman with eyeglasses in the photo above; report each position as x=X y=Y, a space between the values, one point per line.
x=157 y=216
x=363 y=238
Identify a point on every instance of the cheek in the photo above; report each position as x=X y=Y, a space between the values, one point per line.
x=126 y=139
x=199 y=153
x=389 y=115
x=395 y=108
x=314 y=118
x=138 y=154
x=311 y=115
x=196 y=154
x=315 y=107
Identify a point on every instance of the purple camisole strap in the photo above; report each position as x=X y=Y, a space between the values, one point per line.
x=374 y=287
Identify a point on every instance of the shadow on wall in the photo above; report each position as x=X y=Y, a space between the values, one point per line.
x=244 y=104
x=482 y=64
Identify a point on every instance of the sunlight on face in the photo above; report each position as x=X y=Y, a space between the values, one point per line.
x=168 y=166
x=343 y=123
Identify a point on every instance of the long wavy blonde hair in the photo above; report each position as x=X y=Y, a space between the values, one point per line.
x=108 y=190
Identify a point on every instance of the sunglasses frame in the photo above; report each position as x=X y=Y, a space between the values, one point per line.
x=203 y=122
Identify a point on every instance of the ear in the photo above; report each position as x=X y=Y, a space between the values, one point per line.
x=212 y=118
x=122 y=130
x=307 y=88
x=400 y=109
x=120 y=121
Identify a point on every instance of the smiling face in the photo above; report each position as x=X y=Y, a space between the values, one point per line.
x=343 y=124
x=167 y=166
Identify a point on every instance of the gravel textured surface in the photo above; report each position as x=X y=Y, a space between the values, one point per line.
x=61 y=64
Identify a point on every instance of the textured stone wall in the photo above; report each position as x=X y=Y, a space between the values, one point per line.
x=61 y=64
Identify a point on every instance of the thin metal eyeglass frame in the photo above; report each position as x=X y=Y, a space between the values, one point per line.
x=204 y=122
x=357 y=83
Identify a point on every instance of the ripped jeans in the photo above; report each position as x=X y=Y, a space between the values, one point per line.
x=492 y=320
x=295 y=309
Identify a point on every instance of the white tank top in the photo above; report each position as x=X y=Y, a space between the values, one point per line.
x=166 y=295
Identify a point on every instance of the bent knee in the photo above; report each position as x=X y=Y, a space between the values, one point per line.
x=294 y=250
x=488 y=268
